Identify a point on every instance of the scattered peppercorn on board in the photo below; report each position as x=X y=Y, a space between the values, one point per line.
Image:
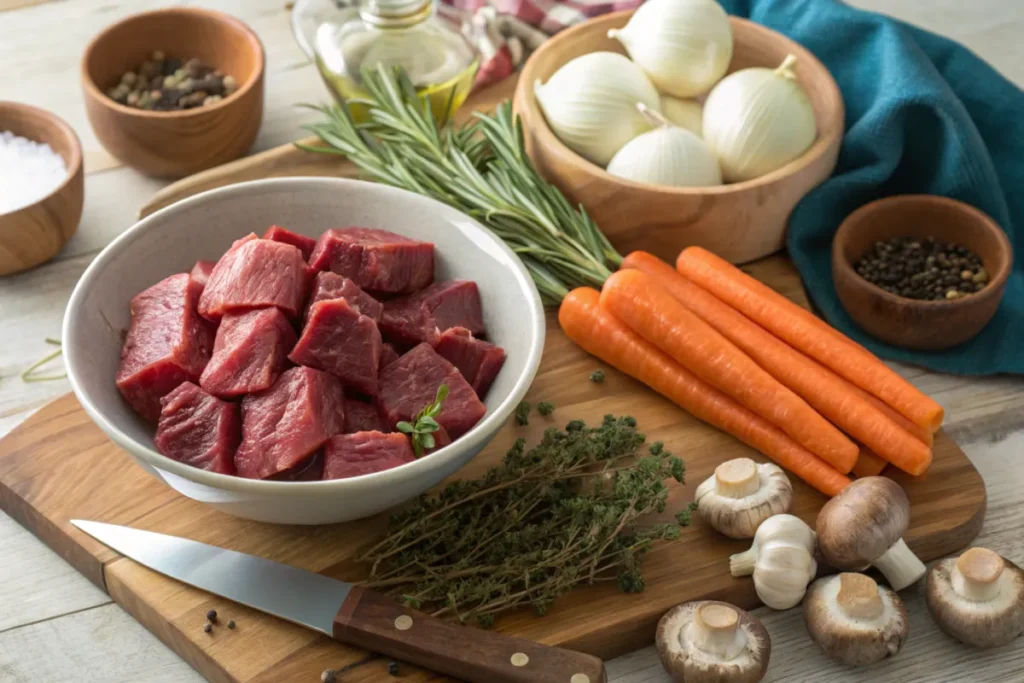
x=58 y=466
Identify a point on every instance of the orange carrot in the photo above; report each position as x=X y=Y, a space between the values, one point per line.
x=648 y=309
x=828 y=393
x=807 y=333
x=869 y=463
x=600 y=334
x=925 y=436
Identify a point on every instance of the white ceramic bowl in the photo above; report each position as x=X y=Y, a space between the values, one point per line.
x=203 y=227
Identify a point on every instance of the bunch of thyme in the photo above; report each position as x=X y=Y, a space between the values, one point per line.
x=480 y=168
x=563 y=513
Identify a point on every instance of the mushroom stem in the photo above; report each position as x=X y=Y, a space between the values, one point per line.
x=737 y=478
x=900 y=566
x=858 y=597
x=742 y=564
x=715 y=630
x=976 y=575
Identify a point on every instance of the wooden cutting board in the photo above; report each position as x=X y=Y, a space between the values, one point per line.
x=58 y=466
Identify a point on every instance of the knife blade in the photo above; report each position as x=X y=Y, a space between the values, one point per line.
x=349 y=613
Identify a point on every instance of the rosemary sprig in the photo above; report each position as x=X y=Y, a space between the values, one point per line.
x=480 y=168
x=32 y=373
x=421 y=429
x=564 y=513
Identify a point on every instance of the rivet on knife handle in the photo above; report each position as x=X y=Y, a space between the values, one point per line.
x=379 y=623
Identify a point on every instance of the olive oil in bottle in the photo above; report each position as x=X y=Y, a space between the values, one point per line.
x=440 y=62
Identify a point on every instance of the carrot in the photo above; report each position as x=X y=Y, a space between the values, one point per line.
x=828 y=393
x=648 y=309
x=602 y=335
x=805 y=332
x=869 y=463
x=925 y=436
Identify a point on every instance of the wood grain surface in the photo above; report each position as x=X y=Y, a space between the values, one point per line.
x=58 y=466
x=55 y=625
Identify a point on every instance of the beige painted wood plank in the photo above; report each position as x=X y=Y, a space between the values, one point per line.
x=11 y=5
x=100 y=645
x=35 y=583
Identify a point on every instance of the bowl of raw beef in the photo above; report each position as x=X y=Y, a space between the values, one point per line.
x=256 y=347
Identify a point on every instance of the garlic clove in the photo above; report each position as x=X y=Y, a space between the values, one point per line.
x=782 y=574
x=757 y=120
x=590 y=104
x=684 y=46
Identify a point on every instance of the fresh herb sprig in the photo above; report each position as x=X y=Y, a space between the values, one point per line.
x=547 y=519
x=421 y=429
x=33 y=373
x=480 y=168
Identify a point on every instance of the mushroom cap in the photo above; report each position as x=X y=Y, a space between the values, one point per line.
x=729 y=503
x=860 y=524
x=979 y=624
x=854 y=620
x=687 y=664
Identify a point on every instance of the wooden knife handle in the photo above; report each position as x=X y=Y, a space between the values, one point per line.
x=379 y=623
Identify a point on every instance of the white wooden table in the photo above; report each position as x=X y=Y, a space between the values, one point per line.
x=56 y=626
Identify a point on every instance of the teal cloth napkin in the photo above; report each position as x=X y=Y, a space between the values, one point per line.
x=923 y=115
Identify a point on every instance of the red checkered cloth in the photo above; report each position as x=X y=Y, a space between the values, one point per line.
x=506 y=31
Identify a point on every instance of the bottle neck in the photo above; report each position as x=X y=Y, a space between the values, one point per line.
x=395 y=13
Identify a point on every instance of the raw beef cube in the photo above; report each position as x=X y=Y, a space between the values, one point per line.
x=301 y=242
x=249 y=353
x=353 y=455
x=201 y=273
x=310 y=469
x=362 y=417
x=282 y=426
x=199 y=429
x=328 y=285
x=423 y=316
x=411 y=382
x=168 y=343
x=339 y=340
x=377 y=260
x=256 y=273
x=387 y=355
x=477 y=360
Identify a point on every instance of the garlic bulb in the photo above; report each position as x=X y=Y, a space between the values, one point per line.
x=757 y=120
x=781 y=560
x=742 y=494
x=667 y=155
x=683 y=45
x=683 y=113
x=590 y=104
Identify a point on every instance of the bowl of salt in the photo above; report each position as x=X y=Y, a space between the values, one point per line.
x=41 y=186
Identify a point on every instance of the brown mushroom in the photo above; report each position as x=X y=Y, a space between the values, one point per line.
x=854 y=620
x=742 y=494
x=978 y=598
x=713 y=642
x=863 y=526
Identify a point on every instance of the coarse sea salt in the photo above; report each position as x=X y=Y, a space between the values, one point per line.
x=29 y=171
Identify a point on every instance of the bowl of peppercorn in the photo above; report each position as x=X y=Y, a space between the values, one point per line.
x=920 y=271
x=175 y=91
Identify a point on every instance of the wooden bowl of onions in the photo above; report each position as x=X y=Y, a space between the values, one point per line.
x=741 y=220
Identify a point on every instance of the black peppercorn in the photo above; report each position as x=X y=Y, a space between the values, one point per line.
x=231 y=623
x=207 y=628
x=922 y=269
x=393 y=668
x=328 y=676
x=212 y=615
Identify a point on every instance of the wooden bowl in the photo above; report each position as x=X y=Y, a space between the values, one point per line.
x=913 y=323
x=176 y=143
x=35 y=233
x=739 y=222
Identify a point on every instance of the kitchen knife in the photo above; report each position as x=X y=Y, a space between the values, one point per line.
x=349 y=613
